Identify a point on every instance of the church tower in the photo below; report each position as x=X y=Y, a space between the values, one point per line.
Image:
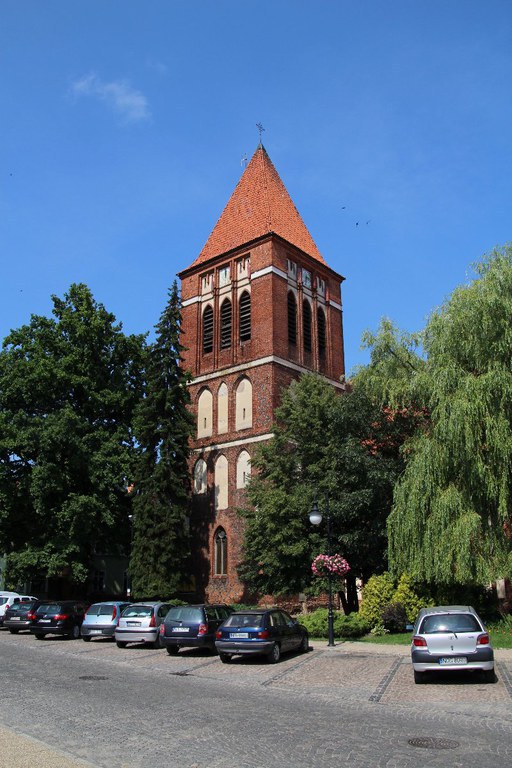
x=260 y=306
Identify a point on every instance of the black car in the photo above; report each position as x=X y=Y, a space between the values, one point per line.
x=16 y=617
x=57 y=617
x=192 y=626
x=270 y=632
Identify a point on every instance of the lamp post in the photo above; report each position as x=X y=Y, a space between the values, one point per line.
x=315 y=518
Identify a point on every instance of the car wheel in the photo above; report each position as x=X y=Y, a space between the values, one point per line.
x=304 y=646
x=172 y=650
x=14 y=631
x=120 y=644
x=86 y=638
x=75 y=633
x=275 y=654
x=39 y=636
x=225 y=657
x=488 y=676
x=419 y=677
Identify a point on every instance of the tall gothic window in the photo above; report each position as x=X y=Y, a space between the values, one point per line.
x=205 y=414
x=221 y=483
x=221 y=552
x=225 y=324
x=245 y=316
x=306 y=325
x=207 y=330
x=320 y=321
x=292 y=318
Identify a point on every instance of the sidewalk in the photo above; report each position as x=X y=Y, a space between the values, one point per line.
x=355 y=646
x=18 y=751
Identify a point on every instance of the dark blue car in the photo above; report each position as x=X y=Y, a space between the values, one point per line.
x=269 y=632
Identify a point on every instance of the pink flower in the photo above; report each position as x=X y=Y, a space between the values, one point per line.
x=323 y=565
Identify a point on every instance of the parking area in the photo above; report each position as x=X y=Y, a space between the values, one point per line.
x=350 y=672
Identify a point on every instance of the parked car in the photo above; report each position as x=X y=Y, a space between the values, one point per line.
x=192 y=626
x=101 y=619
x=451 y=637
x=270 y=632
x=57 y=617
x=11 y=598
x=140 y=623
x=16 y=617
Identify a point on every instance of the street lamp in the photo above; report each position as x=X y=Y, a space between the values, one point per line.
x=315 y=518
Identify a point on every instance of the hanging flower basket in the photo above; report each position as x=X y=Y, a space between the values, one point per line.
x=334 y=565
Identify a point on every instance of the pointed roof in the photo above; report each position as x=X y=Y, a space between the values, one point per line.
x=259 y=205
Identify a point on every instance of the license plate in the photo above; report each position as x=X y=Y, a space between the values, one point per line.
x=95 y=631
x=15 y=618
x=44 y=621
x=236 y=635
x=454 y=661
x=133 y=623
x=181 y=629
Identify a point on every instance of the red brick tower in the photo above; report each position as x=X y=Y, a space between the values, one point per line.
x=259 y=306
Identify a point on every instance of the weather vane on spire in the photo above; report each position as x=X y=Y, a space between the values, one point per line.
x=260 y=129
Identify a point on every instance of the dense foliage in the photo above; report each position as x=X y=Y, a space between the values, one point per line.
x=346 y=627
x=163 y=425
x=343 y=451
x=68 y=388
x=451 y=519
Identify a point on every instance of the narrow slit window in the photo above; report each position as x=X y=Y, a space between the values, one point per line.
x=292 y=319
x=321 y=332
x=225 y=324
x=245 y=316
x=221 y=553
x=306 y=325
x=207 y=330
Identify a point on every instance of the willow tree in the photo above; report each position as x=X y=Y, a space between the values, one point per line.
x=451 y=517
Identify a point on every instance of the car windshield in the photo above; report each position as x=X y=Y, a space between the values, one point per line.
x=138 y=611
x=185 y=613
x=20 y=607
x=449 y=622
x=49 y=608
x=244 y=620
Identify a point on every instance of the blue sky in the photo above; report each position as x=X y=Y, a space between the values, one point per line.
x=124 y=125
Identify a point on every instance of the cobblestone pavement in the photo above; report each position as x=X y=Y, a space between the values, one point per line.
x=355 y=705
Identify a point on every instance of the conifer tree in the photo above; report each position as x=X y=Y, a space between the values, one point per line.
x=163 y=425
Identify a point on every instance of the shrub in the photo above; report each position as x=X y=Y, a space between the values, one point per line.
x=394 y=617
x=317 y=624
x=377 y=594
x=406 y=595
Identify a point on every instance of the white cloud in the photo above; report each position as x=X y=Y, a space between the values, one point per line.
x=118 y=95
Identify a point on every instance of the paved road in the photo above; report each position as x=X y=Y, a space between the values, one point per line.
x=94 y=704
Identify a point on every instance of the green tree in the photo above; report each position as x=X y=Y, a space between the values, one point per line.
x=163 y=426
x=451 y=518
x=336 y=447
x=68 y=388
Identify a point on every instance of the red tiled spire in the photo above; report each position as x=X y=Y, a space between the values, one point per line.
x=259 y=205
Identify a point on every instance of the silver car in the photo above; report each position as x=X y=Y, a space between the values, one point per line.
x=101 y=619
x=451 y=637
x=140 y=623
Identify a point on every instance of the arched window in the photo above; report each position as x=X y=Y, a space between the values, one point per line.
x=221 y=483
x=243 y=469
x=243 y=405
x=200 y=478
x=245 y=316
x=320 y=322
x=292 y=318
x=306 y=325
x=221 y=552
x=205 y=414
x=222 y=409
x=207 y=330
x=226 y=322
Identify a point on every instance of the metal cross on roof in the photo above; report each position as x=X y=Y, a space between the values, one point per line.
x=260 y=129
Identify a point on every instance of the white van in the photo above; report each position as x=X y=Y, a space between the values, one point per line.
x=9 y=598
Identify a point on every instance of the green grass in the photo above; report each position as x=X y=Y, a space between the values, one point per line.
x=501 y=637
